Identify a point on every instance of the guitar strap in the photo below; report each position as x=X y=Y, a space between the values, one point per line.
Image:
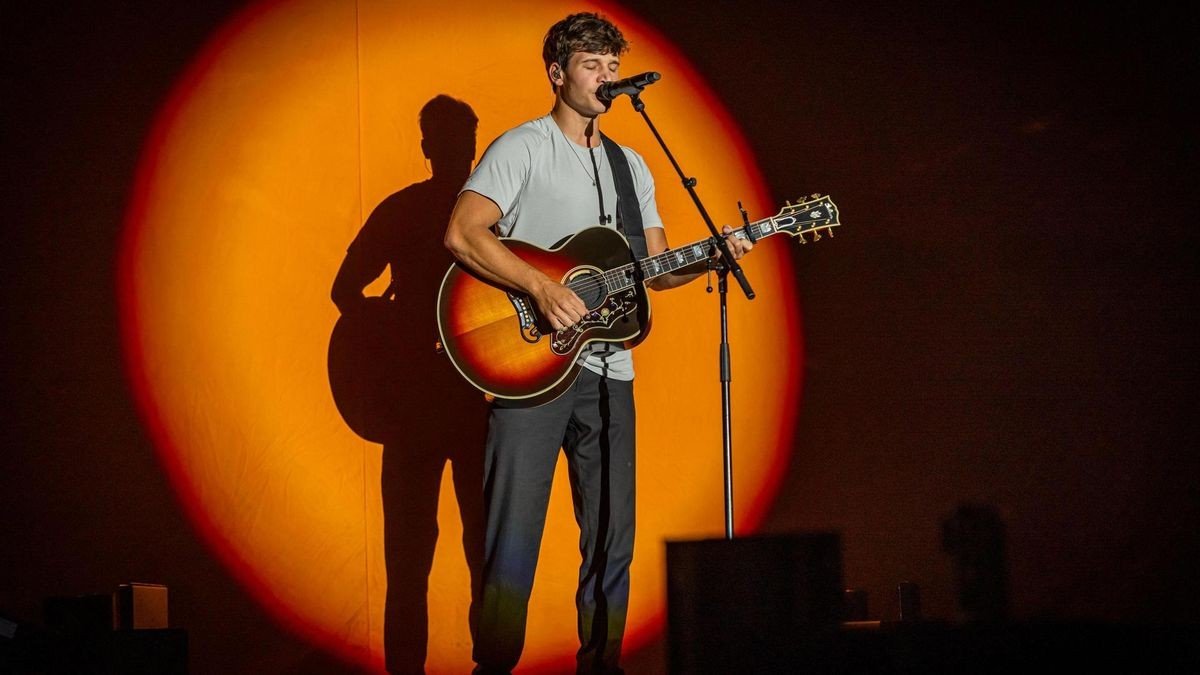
x=629 y=211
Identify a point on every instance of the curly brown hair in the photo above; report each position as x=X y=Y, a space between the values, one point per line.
x=582 y=32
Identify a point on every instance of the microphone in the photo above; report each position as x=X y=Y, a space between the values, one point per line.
x=631 y=86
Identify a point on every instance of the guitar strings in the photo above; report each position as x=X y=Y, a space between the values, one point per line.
x=619 y=274
x=620 y=278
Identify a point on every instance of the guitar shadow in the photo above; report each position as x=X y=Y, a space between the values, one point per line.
x=391 y=387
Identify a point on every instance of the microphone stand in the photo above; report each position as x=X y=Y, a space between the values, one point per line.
x=726 y=266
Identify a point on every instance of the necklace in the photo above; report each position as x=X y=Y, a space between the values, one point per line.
x=594 y=176
x=574 y=151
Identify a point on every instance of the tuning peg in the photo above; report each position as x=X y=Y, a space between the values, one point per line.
x=802 y=239
x=816 y=235
x=786 y=203
x=816 y=195
x=830 y=233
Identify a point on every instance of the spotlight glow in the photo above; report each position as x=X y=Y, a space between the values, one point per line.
x=290 y=126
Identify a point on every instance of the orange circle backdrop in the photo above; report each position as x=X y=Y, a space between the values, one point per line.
x=291 y=125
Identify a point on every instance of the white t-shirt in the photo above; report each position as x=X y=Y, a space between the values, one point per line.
x=543 y=184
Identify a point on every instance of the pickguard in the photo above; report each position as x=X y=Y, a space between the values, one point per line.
x=612 y=309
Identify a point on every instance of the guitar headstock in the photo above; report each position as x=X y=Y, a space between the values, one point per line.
x=814 y=214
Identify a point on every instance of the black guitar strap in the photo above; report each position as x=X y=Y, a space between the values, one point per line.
x=629 y=210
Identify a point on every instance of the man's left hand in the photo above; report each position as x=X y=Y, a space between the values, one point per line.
x=737 y=246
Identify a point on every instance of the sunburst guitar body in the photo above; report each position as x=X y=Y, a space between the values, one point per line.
x=498 y=341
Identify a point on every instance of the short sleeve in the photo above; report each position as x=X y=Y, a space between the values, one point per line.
x=504 y=170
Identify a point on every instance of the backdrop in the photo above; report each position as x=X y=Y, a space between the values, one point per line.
x=1001 y=320
x=297 y=121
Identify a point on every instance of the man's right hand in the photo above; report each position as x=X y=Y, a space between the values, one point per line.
x=558 y=304
x=470 y=239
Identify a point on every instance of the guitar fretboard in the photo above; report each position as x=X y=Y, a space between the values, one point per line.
x=621 y=278
x=819 y=213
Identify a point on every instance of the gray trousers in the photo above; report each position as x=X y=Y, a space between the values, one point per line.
x=593 y=423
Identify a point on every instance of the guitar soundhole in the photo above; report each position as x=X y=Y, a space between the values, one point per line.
x=604 y=310
x=590 y=288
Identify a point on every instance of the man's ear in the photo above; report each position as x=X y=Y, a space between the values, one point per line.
x=556 y=75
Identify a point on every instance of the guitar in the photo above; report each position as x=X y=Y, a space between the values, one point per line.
x=496 y=339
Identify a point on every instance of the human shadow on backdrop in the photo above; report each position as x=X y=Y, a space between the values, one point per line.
x=391 y=386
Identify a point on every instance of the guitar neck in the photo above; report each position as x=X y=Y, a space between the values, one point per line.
x=811 y=216
x=678 y=258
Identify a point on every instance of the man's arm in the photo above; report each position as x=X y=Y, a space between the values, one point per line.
x=470 y=239
x=656 y=242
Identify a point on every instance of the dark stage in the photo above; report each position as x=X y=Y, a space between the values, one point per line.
x=1001 y=320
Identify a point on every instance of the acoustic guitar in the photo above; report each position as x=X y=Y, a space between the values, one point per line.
x=497 y=340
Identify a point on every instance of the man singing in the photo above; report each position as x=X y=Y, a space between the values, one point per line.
x=540 y=182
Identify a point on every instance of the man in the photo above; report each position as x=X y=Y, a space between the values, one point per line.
x=541 y=182
x=388 y=367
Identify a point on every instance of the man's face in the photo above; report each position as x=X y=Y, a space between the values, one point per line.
x=585 y=73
